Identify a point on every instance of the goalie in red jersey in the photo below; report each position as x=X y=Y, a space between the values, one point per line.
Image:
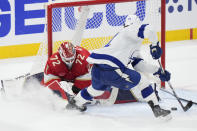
x=67 y=70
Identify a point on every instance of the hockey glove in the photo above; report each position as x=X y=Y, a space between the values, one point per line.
x=163 y=76
x=75 y=89
x=156 y=51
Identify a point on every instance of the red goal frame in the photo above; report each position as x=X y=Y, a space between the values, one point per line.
x=93 y=2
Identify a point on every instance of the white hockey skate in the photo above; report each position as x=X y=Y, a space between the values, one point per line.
x=72 y=105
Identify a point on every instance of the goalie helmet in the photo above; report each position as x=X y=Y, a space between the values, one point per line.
x=131 y=19
x=67 y=53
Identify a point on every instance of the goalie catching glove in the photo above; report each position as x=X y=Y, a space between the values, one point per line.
x=156 y=51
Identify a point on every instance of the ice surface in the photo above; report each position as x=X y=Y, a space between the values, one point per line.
x=37 y=109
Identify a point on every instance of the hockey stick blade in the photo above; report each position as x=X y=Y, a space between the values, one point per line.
x=188 y=106
x=189 y=102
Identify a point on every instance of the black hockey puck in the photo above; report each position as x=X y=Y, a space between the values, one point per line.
x=173 y=108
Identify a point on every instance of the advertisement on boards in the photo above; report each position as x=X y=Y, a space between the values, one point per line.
x=23 y=21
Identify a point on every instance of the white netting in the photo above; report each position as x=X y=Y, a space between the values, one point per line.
x=102 y=23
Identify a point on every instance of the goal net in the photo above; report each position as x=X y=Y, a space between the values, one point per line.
x=92 y=24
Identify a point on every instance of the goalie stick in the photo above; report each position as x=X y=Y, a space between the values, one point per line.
x=24 y=77
x=166 y=91
x=18 y=77
x=188 y=105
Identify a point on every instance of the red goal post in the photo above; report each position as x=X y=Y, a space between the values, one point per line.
x=51 y=17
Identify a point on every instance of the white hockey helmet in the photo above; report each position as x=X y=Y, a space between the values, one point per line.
x=67 y=53
x=131 y=19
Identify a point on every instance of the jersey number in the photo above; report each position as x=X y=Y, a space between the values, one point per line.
x=79 y=56
x=55 y=62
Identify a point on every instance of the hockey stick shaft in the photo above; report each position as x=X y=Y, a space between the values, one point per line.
x=189 y=104
x=174 y=96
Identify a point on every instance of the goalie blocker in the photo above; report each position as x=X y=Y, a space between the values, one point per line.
x=112 y=95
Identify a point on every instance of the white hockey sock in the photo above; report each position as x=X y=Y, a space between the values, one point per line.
x=80 y=100
x=93 y=92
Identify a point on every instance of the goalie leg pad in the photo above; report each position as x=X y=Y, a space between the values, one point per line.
x=56 y=88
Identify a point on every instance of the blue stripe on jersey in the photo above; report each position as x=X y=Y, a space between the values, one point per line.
x=141 y=31
x=109 y=58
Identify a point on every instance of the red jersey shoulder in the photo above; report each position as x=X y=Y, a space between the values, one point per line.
x=56 y=65
x=81 y=56
x=80 y=65
x=85 y=53
x=82 y=51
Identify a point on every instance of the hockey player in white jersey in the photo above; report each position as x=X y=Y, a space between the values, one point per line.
x=111 y=66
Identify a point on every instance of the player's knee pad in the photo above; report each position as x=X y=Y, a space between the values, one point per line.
x=93 y=92
x=147 y=91
x=142 y=89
